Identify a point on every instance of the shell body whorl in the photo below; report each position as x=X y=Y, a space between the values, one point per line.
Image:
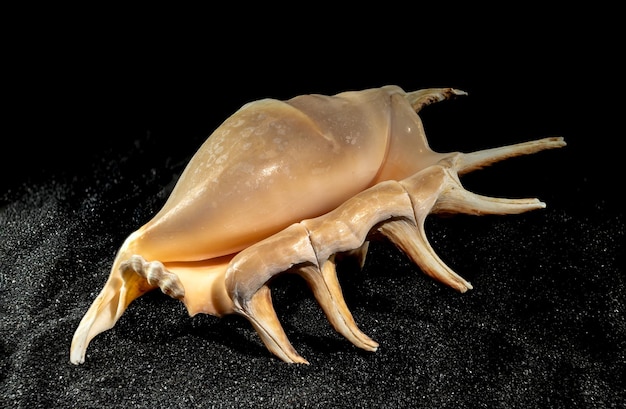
x=273 y=163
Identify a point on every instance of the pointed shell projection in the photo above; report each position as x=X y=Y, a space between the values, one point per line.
x=286 y=186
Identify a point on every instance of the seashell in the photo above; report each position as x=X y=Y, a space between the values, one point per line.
x=289 y=186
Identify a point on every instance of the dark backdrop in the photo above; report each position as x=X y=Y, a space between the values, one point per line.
x=103 y=115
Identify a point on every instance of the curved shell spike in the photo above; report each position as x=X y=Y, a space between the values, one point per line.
x=399 y=209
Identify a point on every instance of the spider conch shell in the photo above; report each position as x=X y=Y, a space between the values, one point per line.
x=284 y=186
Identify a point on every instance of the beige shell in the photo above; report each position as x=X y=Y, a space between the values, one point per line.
x=285 y=186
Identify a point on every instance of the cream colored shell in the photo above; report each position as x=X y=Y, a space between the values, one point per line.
x=285 y=186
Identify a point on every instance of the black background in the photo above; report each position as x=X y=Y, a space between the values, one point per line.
x=103 y=112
